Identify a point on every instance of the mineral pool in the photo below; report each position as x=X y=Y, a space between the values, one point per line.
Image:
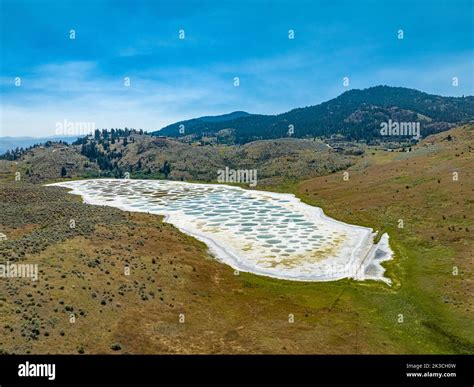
x=265 y=233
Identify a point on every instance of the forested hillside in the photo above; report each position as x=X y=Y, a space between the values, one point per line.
x=356 y=114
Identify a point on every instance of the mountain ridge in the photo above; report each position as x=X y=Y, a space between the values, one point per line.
x=12 y=142
x=356 y=114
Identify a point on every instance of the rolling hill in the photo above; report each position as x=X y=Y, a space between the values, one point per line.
x=145 y=156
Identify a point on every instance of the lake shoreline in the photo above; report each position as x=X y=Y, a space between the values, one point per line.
x=363 y=257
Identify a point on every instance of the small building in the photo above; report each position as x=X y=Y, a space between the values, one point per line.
x=3 y=237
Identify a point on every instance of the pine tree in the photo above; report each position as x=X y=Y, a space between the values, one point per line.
x=166 y=169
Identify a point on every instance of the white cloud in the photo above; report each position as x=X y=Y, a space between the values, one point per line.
x=78 y=91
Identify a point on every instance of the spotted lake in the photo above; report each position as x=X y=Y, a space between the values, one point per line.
x=265 y=233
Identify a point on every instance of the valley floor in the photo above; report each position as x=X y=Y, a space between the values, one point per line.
x=178 y=299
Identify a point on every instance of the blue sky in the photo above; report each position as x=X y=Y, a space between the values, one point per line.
x=172 y=79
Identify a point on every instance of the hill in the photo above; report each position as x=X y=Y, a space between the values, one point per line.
x=195 y=125
x=423 y=199
x=355 y=114
x=223 y=117
x=147 y=157
x=52 y=161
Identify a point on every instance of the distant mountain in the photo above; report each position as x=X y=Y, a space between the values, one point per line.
x=355 y=114
x=198 y=124
x=11 y=143
x=224 y=117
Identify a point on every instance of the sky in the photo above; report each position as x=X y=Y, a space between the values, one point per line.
x=48 y=79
